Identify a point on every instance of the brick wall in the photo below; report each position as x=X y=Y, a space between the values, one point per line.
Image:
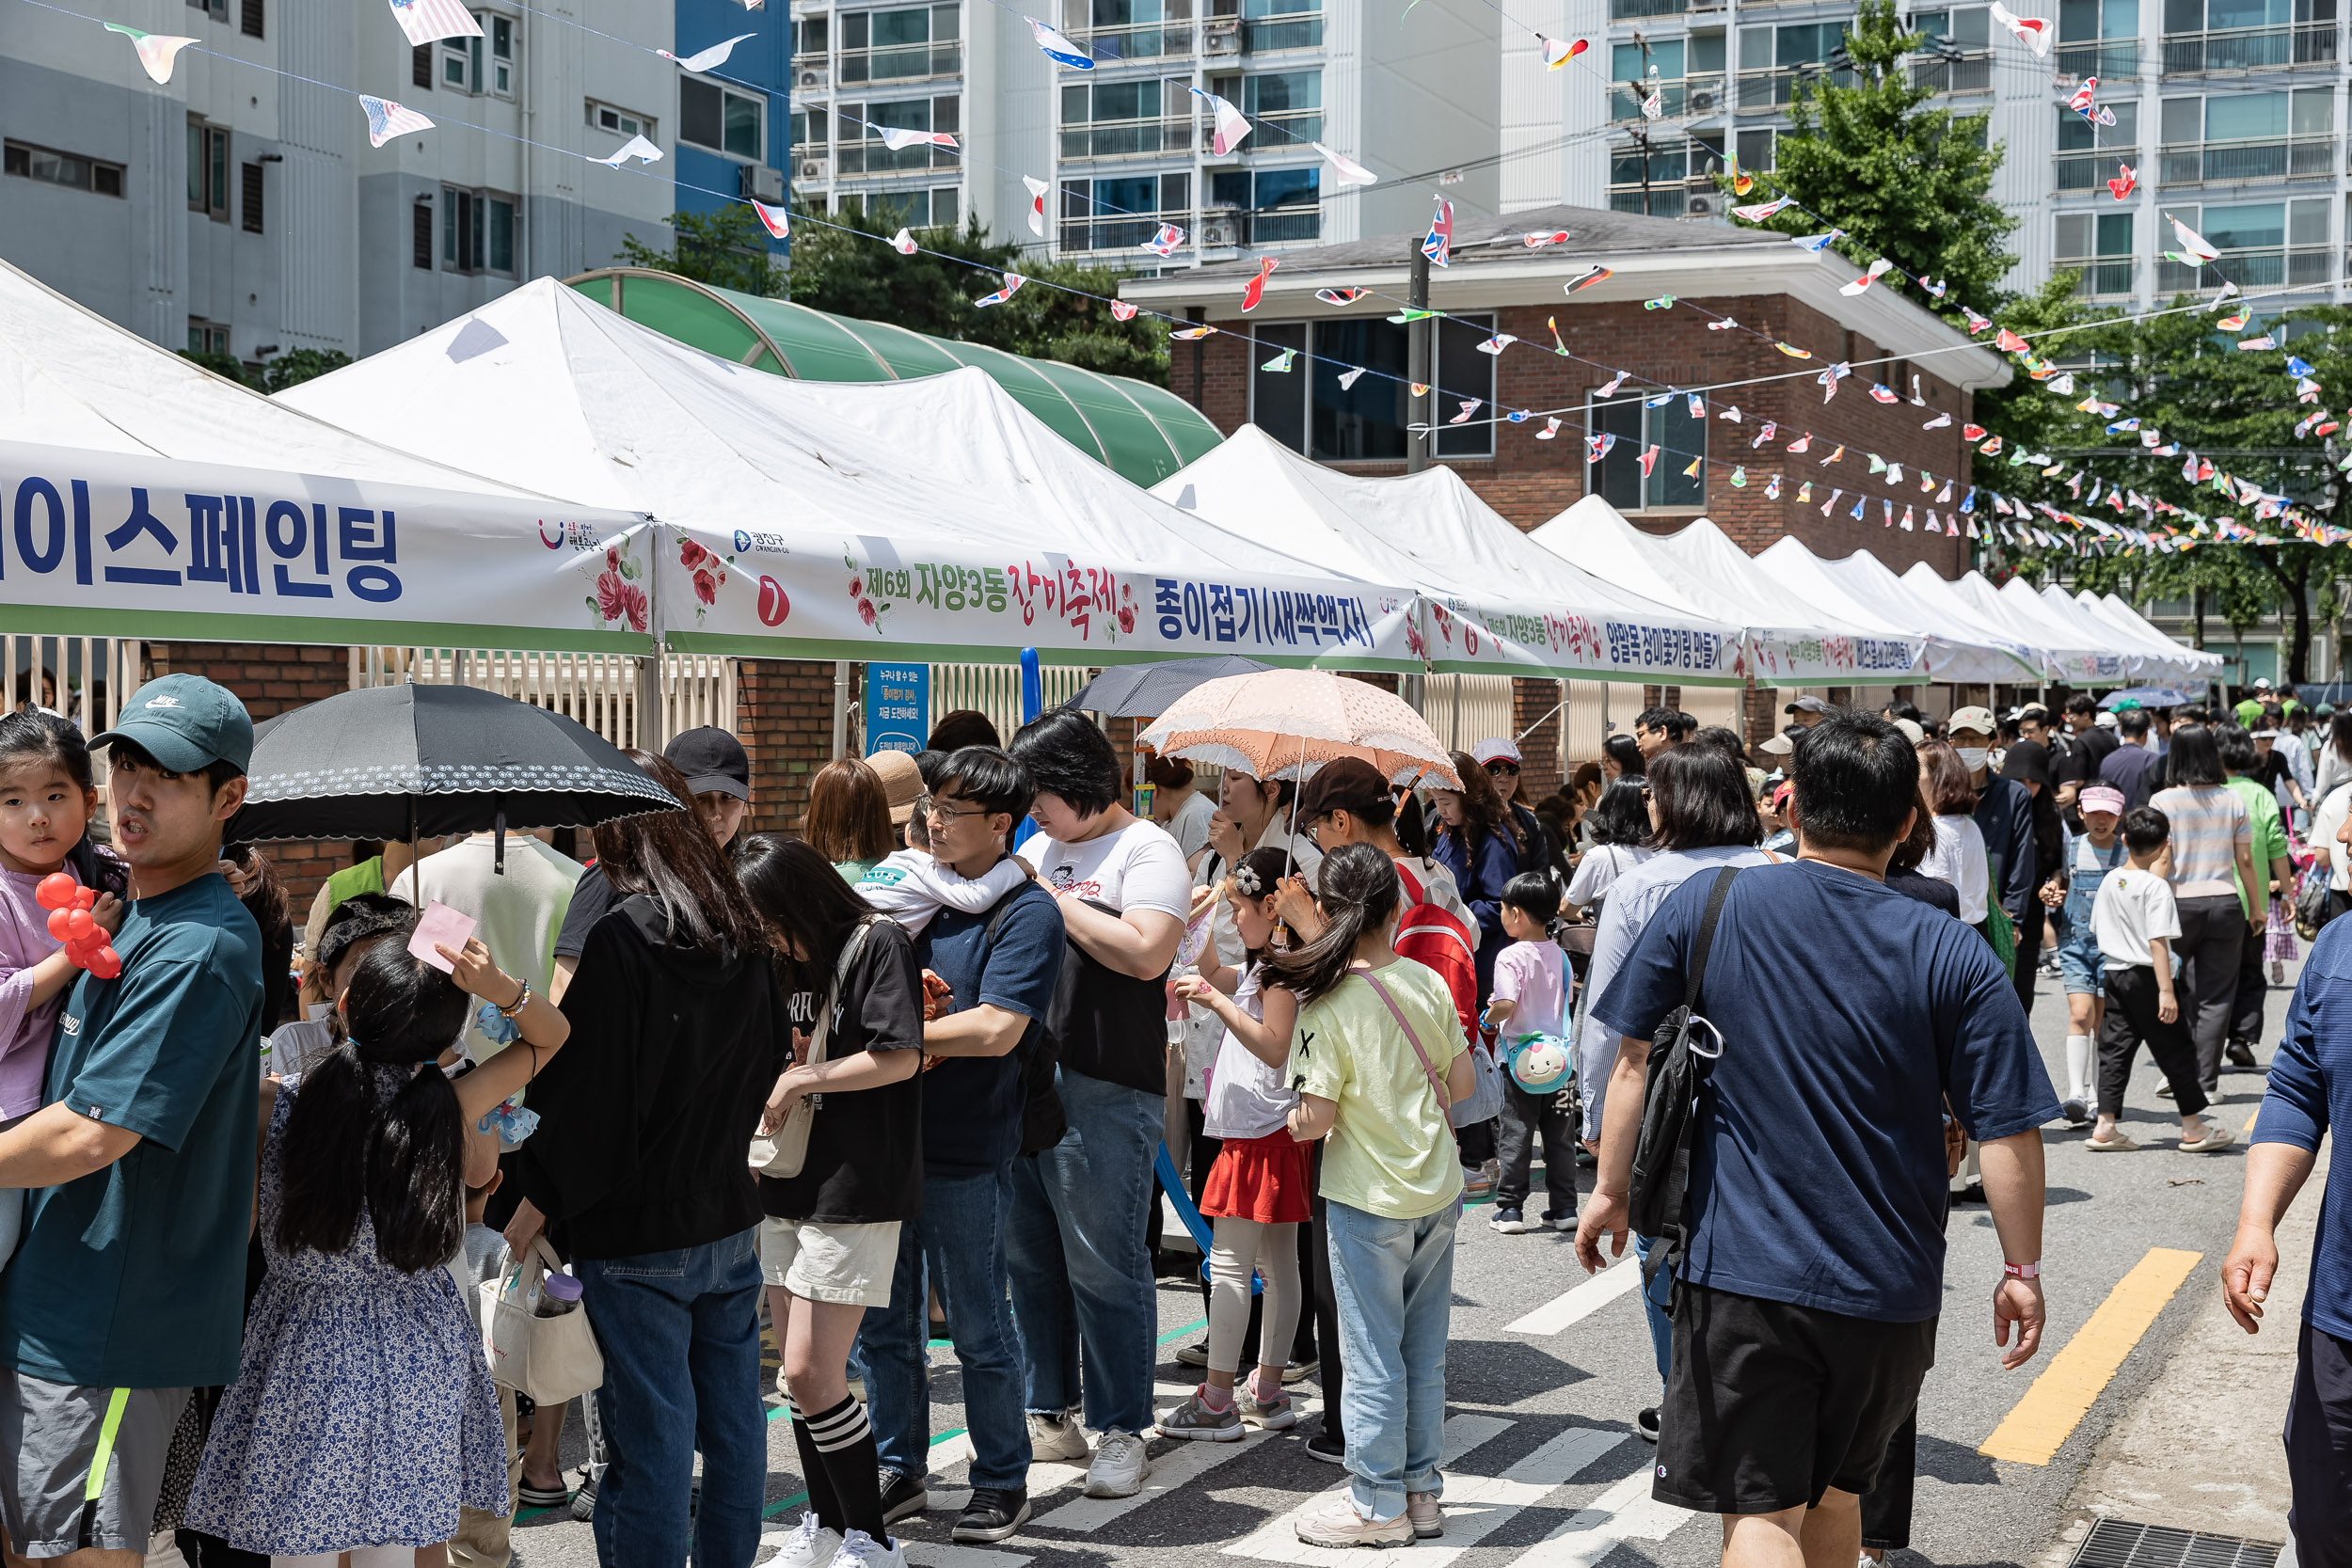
x=784 y=717
x=1531 y=481
x=1539 y=748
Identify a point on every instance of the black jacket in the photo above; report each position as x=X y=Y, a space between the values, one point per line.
x=647 y=1112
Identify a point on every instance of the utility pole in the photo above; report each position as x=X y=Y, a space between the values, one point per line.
x=1420 y=407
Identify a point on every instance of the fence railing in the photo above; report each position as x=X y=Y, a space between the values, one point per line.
x=1117 y=230
x=2109 y=57
x=1465 y=709
x=1782 y=85
x=1120 y=138
x=2270 y=158
x=872 y=156
x=607 y=693
x=1264 y=35
x=1156 y=41
x=1620 y=10
x=899 y=62
x=2102 y=277
x=84 y=679
x=1678 y=96
x=995 y=690
x=1968 y=71
x=2292 y=265
x=2249 y=48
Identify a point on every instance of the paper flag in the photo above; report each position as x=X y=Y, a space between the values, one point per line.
x=1991 y=446
x=1936 y=287
x=1692 y=471
x=1885 y=393
x=1609 y=388
x=2194 y=243
x=1972 y=433
x=1596 y=447
x=1469 y=406
x=1835 y=456
x=2081 y=102
x=1420 y=388
x=1976 y=322
x=1698 y=406
x=1167 y=242
x=1926 y=483
x=2125 y=180
x=2064 y=384
x=1859 y=502
x=1878 y=463
x=1191 y=333
x=1817 y=243
x=1552 y=428
x=1124 y=309
x=1763 y=435
x=424 y=21
x=1938 y=422
x=2009 y=342
x=1771 y=488
x=1280 y=363
x=1879 y=269
x=636 y=146
x=1437 y=245
x=1585 y=279
x=1410 y=314
x=1802 y=443
x=1946 y=494
x=1654 y=106
x=2297 y=366
x=1559 y=52
x=2033 y=30
x=1348 y=171
x=897 y=138
x=1724 y=324
x=1059 y=49
x=1341 y=297
x=1663 y=302
x=1036 y=203
x=1889 y=509
x=1739 y=479
x=1649 y=461
x=1968 y=503
x=1497 y=344
x=1254 y=289
x=1804 y=491
x=1793 y=352
x=1893 y=473
x=1731 y=413
x=1012 y=286
x=714 y=55
x=1538 y=239
x=1742 y=181
x=1762 y=210
x=1230 y=127
x=156 y=50
x=1350 y=376
x=903 y=242
x=776 y=220
x=1831 y=501
x=1520 y=415
x=387 y=119
x=1830 y=378
x=2229 y=291
x=2266 y=341
x=1662 y=399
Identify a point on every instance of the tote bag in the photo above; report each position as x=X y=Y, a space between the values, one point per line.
x=783 y=1152
x=547 y=1360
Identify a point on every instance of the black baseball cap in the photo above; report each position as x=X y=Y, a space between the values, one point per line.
x=1344 y=783
x=713 y=760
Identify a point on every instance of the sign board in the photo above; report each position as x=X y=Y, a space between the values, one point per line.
x=897 y=706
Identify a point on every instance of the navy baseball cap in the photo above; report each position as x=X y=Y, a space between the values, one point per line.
x=186 y=724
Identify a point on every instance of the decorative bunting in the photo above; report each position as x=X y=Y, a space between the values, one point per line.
x=1059 y=49
x=1350 y=376
x=636 y=146
x=1537 y=239
x=2032 y=30
x=1802 y=443
x=1469 y=406
x=2196 y=249
x=1742 y=181
x=898 y=139
x=2127 y=180
x=1437 y=245
x=1586 y=278
x=1497 y=344
x=709 y=59
x=1348 y=171
x=1739 y=479
x=1012 y=286
x=1167 y=242
x=1663 y=302
x=1552 y=428
x=1763 y=210
x=1280 y=364
x=1831 y=501
x=1596 y=447
x=423 y=21
x=1879 y=269
x=1792 y=351
x=1342 y=297
x=903 y=242
x=1254 y=289
x=1193 y=333
x=1124 y=309
x=1649 y=460
x=778 y=222
x=1559 y=52
x=387 y=119
x=157 y=51
x=1231 y=125
x=1038 y=189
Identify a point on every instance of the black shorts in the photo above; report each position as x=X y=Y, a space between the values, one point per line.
x=1771 y=1405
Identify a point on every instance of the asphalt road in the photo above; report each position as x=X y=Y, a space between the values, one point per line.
x=1544 y=1468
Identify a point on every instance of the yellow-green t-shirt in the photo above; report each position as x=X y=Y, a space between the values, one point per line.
x=1390 y=1151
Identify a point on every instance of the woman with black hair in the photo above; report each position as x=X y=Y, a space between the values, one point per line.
x=359 y=1345
x=678 y=1036
x=1483 y=844
x=1621 y=757
x=828 y=1245
x=1620 y=828
x=254 y=881
x=2211 y=836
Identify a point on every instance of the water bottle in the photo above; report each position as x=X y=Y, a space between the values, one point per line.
x=559 y=1294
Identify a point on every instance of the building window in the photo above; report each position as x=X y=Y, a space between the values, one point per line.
x=206 y=338
x=902 y=41
x=871 y=156
x=208 y=170
x=249 y=197
x=63 y=168
x=421 y=235
x=249 y=18
x=1308 y=410
x=1679 y=439
x=2248 y=135
x=1268 y=25
x=1291 y=100
x=502 y=31
x=216 y=10
x=477 y=231
x=1755 y=150
x=621 y=122
x=420 y=66
x=1111 y=119
x=1275 y=204
x=2086 y=155
x=809 y=36
x=720 y=121
x=2098 y=245
x=1122 y=213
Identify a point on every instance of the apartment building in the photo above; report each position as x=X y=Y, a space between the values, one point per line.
x=2227 y=110
x=1124 y=147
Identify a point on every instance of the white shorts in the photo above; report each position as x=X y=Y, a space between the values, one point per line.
x=851 y=1265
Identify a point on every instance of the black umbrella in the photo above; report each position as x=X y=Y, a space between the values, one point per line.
x=404 y=762
x=1148 y=691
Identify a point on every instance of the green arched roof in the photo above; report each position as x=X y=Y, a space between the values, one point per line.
x=1140 y=432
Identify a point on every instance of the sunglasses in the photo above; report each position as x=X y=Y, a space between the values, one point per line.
x=1502 y=765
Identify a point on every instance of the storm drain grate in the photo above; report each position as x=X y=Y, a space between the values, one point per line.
x=2121 y=1544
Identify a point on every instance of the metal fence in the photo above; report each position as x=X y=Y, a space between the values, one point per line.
x=1467 y=709
x=81 y=678
x=613 y=694
x=995 y=690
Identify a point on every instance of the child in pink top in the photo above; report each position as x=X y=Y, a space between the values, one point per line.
x=1531 y=998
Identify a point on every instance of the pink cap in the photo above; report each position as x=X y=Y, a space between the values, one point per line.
x=2101 y=798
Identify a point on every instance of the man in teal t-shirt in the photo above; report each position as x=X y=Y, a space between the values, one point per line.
x=128 y=1288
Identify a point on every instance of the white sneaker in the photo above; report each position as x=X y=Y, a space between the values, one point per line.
x=809 y=1545
x=861 y=1551
x=1056 y=1437
x=1118 y=1467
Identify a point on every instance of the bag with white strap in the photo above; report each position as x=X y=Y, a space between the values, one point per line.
x=546 y=1359
x=783 y=1152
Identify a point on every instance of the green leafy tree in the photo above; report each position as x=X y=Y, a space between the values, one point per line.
x=727 y=249
x=1905 y=181
x=291 y=369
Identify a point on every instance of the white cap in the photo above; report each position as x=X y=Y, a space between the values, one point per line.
x=1494 y=749
x=1911 y=731
x=2105 y=721
x=1977 y=719
x=1777 y=746
x=2261 y=683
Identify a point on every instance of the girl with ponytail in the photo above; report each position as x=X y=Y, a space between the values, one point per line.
x=358 y=1344
x=1378 y=1056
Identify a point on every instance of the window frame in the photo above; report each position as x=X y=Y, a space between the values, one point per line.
x=1601 y=415
x=1474 y=443
x=647 y=125
x=21 y=152
x=727 y=92
x=208 y=168
x=467 y=223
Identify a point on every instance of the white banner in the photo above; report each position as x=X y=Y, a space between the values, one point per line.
x=1465 y=638
x=104 y=544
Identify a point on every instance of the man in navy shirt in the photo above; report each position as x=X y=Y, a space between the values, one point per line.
x=1851 y=1014
x=999 y=970
x=2310 y=1089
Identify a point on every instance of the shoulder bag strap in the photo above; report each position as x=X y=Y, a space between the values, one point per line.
x=819 y=1038
x=1437 y=1085
x=1715 y=896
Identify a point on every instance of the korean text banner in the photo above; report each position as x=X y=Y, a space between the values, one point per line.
x=1465 y=638
x=753 y=593
x=106 y=544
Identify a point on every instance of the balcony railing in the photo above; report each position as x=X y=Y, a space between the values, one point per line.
x=1156 y=41
x=2109 y=57
x=1695 y=197
x=2090 y=171
x=1276 y=128
x=2249 y=47
x=1683 y=95
x=1124 y=138
x=1126 y=231
x=1265 y=34
x=2270 y=158
x=1621 y=11
x=1970 y=70
x=1281 y=225
x=2103 y=276
x=871 y=156
x=2289 y=266
x=893 y=62
x=1779 y=86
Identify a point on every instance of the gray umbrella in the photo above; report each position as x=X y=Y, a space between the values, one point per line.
x=1148 y=691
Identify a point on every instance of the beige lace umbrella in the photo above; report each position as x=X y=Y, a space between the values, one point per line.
x=1286 y=723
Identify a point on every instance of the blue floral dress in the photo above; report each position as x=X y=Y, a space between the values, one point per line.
x=362 y=1414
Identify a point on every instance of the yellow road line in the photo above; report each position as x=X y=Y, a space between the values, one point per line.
x=2062 y=1395
x=2252 y=1117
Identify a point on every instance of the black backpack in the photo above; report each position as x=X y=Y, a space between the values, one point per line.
x=1680 y=1053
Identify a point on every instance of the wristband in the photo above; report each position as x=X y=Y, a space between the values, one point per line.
x=2021 y=1271
x=522 y=999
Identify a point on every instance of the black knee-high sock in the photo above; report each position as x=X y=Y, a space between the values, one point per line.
x=822 y=1500
x=845 y=1443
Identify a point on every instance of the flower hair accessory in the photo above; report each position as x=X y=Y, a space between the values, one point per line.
x=1246 y=881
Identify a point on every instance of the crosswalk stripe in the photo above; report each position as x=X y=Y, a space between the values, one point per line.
x=1277 y=1540
x=1168 y=1472
x=1625 y=1511
x=2035 y=1427
x=1575 y=1304
x=1046 y=1477
x=941 y=1554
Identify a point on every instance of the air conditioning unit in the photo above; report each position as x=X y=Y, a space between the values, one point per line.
x=1221 y=229
x=1700 y=204
x=813 y=76
x=1704 y=102
x=1221 y=35
x=762 y=183
x=811 y=169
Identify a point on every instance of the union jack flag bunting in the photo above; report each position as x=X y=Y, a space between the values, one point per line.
x=1012 y=286
x=387 y=119
x=1167 y=242
x=424 y=21
x=1439 y=244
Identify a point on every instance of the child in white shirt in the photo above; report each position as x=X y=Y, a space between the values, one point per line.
x=2135 y=922
x=911 y=887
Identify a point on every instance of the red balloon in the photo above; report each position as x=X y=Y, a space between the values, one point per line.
x=79 y=927
x=59 y=920
x=105 y=963
x=55 y=891
x=85 y=898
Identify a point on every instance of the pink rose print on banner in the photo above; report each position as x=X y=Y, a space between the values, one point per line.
x=706 y=587
x=610 y=589
x=866 y=610
x=634 y=604
x=611 y=558
x=691 y=553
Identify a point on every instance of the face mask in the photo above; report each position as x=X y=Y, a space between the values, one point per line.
x=1972 y=758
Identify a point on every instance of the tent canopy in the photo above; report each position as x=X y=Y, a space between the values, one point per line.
x=1500 y=603
x=1140 y=432
x=1860 y=590
x=2061 y=650
x=1700 y=572
x=195 y=507
x=935 y=518
x=2196 y=664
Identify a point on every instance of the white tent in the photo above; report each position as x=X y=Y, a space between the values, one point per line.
x=2141 y=660
x=2067 y=653
x=1499 y=602
x=148 y=493
x=1944 y=599
x=2196 y=664
x=1860 y=590
x=932 y=518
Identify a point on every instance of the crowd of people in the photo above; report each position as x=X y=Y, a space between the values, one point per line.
x=915 y=1071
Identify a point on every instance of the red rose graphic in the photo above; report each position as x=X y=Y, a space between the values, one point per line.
x=705 y=588
x=633 y=603
x=857 y=588
x=611 y=558
x=691 y=553
x=1126 y=618
x=608 y=596
x=866 y=610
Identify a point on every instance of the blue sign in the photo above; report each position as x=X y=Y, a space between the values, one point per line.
x=897 y=706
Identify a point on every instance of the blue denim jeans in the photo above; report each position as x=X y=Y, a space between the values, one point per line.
x=681 y=1336
x=1394 y=1281
x=959 y=1243
x=1657 y=1296
x=1081 y=1274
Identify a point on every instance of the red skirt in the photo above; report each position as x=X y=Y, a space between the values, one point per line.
x=1268 y=1180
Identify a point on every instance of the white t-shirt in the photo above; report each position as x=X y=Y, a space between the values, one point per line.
x=296 y=1048
x=1137 y=868
x=911 y=887
x=1533 y=976
x=2325 y=825
x=1958 y=857
x=2133 y=908
x=1246 y=1098
x=1598 y=871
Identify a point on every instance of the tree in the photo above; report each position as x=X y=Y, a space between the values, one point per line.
x=727 y=249
x=291 y=369
x=1903 y=181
